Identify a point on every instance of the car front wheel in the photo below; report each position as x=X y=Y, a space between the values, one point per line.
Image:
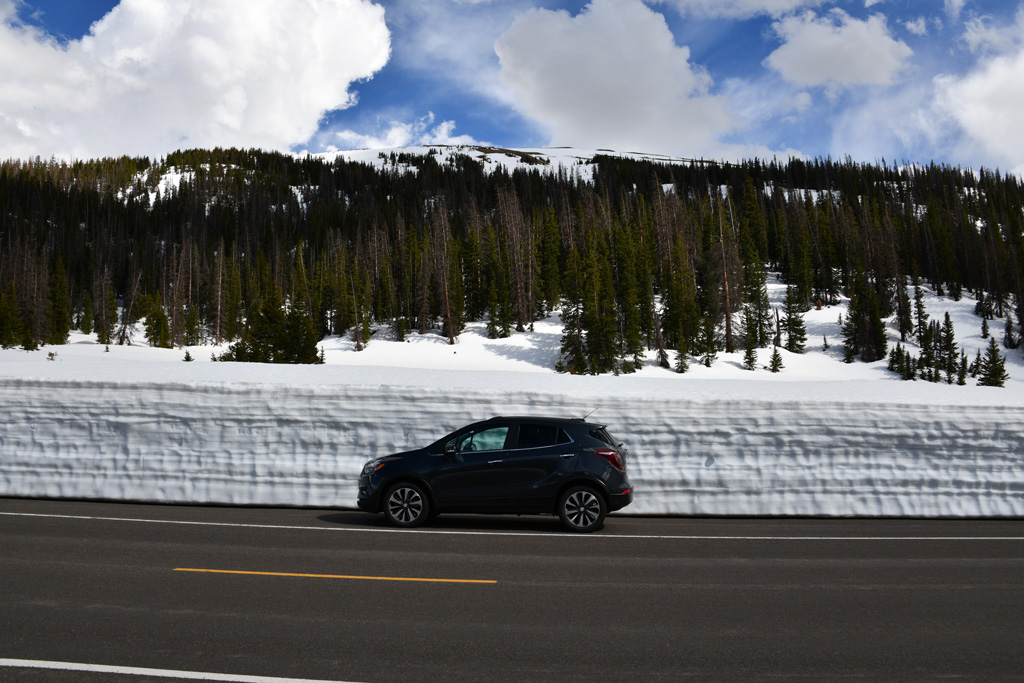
x=582 y=509
x=406 y=505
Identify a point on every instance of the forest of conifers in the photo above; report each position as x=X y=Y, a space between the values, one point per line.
x=271 y=252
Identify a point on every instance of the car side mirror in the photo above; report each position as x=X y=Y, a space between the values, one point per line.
x=450 y=453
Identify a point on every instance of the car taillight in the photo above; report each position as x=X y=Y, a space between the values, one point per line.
x=613 y=457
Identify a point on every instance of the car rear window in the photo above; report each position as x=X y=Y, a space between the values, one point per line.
x=601 y=434
x=540 y=435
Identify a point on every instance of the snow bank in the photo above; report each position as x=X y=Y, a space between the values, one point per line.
x=301 y=444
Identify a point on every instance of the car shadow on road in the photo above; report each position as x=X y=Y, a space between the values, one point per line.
x=455 y=522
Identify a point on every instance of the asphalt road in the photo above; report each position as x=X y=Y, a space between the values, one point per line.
x=646 y=599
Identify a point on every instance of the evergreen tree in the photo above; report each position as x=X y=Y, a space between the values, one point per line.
x=776 y=362
x=863 y=330
x=106 y=315
x=984 y=328
x=904 y=313
x=707 y=345
x=60 y=306
x=750 y=350
x=628 y=296
x=682 y=362
x=157 y=326
x=85 y=324
x=233 y=307
x=10 y=318
x=950 y=350
x=920 y=312
x=192 y=333
x=499 y=292
x=681 y=316
x=793 y=322
x=993 y=367
x=599 y=312
x=572 y=358
x=1010 y=339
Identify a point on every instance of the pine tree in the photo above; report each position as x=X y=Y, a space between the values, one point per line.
x=85 y=324
x=993 y=367
x=750 y=347
x=59 y=313
x=572 y=358
x=950 y=350
x=920 y=312
x=904 y=314
x=1010 y=339
x=10 y=319
x=707 y=345
x=599 y=312
x=681 y=316
x=233 y=308
x=157 y=326
x=106 y=314
x=863 y=329
x=793 y=322
x=682 y=362
x=776 y=362
x=984 y=328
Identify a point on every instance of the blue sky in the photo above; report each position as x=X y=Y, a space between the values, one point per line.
x=905 y=81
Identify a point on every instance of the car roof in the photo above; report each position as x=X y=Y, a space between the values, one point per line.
x=545 y=418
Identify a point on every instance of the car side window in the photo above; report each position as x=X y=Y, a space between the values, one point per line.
x=486 y=439
x=541 y=435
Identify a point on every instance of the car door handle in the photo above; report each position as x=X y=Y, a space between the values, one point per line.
x=492 y=462
x=567 y=455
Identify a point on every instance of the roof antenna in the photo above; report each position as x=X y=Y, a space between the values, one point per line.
x=589 y=414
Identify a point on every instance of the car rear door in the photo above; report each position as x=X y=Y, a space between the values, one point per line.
x=543 y=456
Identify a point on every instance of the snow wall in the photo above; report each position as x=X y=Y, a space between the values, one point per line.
x=263 y=444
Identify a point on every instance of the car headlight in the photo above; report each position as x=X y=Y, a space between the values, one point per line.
x=372 y=466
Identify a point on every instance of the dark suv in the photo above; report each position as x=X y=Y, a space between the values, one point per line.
x=505 y=465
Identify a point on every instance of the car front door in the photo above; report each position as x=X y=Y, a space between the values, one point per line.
x=472 y=476
x=543 y=456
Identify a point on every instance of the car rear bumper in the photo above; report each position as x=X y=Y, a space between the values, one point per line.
x=617 y=501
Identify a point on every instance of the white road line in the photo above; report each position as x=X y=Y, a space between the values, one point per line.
x=539 y=534
x=163 y=673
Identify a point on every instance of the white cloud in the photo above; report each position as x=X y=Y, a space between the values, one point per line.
x=739 y=8
x=986 y=104
x=156 y=75
x=400 y=134
x=981 y=36
x=919 y=26
x=611 y=76
x=837 y=51
x=954 y=7
x=451 y=42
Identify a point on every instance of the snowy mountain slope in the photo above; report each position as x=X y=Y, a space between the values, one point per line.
x=569 y=159
x=820 y=438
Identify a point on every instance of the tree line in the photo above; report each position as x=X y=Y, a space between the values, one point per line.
x=270 y=252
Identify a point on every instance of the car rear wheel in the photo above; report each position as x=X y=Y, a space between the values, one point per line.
x=582 y=509
x=406 y=505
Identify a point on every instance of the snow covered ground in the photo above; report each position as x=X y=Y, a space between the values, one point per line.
x=820 y=438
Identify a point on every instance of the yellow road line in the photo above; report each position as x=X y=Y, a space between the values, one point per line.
x=330 y=576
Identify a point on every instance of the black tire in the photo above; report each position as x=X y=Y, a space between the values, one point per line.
x=582 y=509
x=406 y=505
